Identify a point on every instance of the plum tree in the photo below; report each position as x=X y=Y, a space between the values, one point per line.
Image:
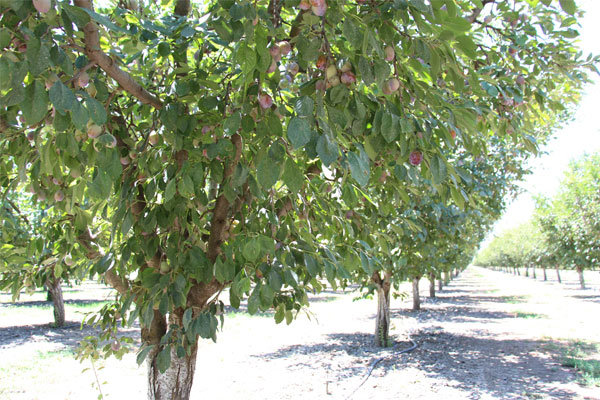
x=236 y=167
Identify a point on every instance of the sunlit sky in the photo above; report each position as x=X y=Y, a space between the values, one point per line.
x=575 y=138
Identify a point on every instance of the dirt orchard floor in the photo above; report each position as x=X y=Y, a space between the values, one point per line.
x=488 y=335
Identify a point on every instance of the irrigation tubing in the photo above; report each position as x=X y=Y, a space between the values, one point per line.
x=411 y=348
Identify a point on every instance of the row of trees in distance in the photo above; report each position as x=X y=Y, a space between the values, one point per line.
x=564 y=231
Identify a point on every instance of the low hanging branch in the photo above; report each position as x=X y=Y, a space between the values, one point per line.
x=86 y=240
x=95 y=54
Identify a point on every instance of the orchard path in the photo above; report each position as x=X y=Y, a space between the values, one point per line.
x=488 y=335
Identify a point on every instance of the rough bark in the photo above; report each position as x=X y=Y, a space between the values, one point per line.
x=55 y=291
x=558 y=275
x=176 y=382
x=431 y=285
x=581 y=280
x=382 y=321
x=416 y=297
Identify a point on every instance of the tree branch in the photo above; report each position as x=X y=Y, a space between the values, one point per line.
x=86 y=240
x=14 y=206
x=476 y=11
x=222 y=206
x=95 y=54
x=201 y=293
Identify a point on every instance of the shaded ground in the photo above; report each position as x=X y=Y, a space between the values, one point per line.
x=488 y=335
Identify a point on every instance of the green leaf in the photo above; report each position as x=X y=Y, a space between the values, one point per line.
x=311 y=265
x=79 y=116
x=163 y=360
x=246 y=58
x=304 y=106
x=568 y=6
x=292 y=176
x=352 y=32
x=141 y=355
x=186 y=186
x=170 y=190
x=251 y=250
x=467 y=46
x=38 y=56
x=105 y=21
x=298 y=132
x=280 y=314
x=327 y=150
x=457 y=24
x=438 y=169
x=359 y=167
x=77 y=15
x=96 y=110
x=388 y=128
x=268 y=172
x=35 y=105
x=366 y=71
x=275 y=281
x=254 y=300
x=61 y=97
x=232 y=123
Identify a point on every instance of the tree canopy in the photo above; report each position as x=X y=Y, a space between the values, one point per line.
x=190 y=148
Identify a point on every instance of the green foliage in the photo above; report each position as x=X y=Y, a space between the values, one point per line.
x=183 y=155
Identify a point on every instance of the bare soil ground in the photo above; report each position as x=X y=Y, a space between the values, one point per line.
x=488 y=335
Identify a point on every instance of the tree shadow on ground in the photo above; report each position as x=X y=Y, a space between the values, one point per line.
x=591 y=297
x=40 y=303
x=504 y=369
x=69 y=335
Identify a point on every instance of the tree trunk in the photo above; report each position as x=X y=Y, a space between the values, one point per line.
x=581 y=280
x=55 y=291
x=382 y=323
x=518 y=271
x=176 y=382
x=416 y=298
x=545 y=275
x=431 y=285
x=527 y=271
x=439 y=285
x=533 y=270
x=558 y=274
x=446 y=278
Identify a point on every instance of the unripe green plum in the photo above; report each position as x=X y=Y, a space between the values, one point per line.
x=68 y=260
x=285 y=48
x=331 y=72
x=390 y=53
x=94 y=131
x=83 y=80
x=59 y=195
x=153 y=139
